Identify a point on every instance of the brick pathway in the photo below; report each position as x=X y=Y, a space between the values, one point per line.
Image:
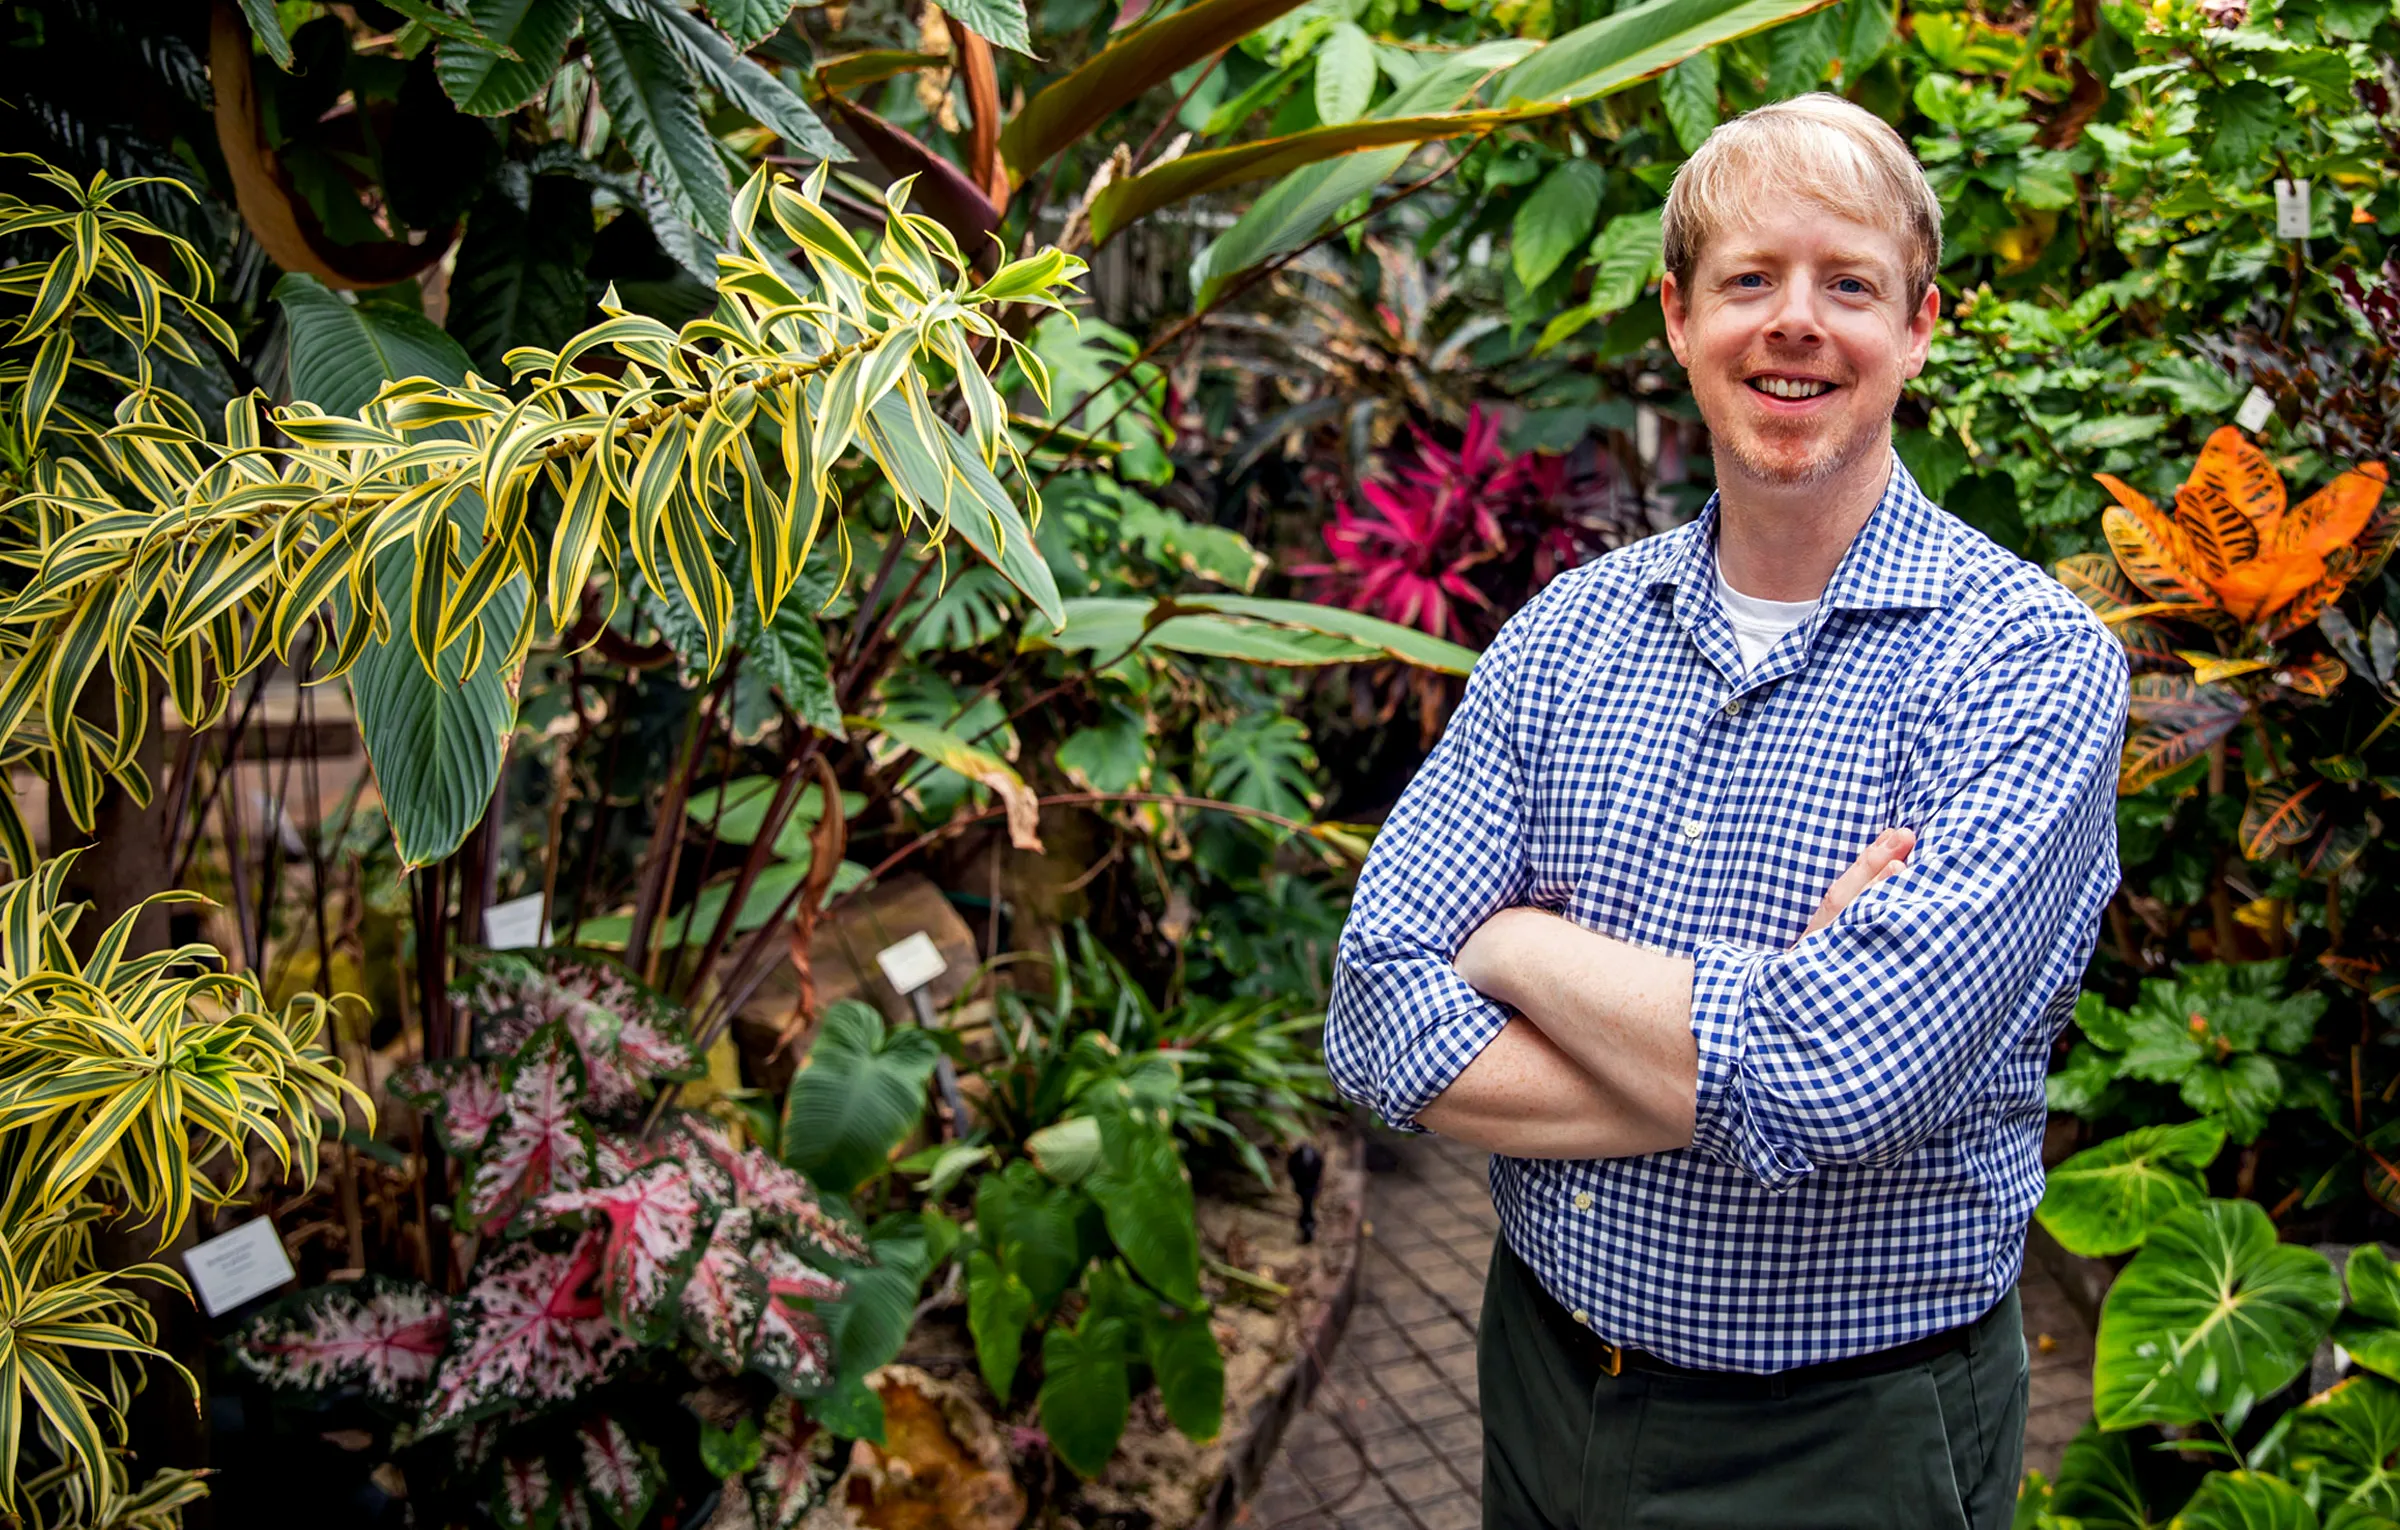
x=1393 y=1440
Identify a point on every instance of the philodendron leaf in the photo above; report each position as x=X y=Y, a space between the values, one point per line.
x=2346 y=1441
x=1033 y=1228
x=2097 y=1486
x=2247 y=1501
x=2370 y=1328
x=2105 y=1199
x=2211 y=1316
x=1086 y=1392
x=1146 y=1198
x=858 y=1095
x=1190 y=1368
x=998 y=1308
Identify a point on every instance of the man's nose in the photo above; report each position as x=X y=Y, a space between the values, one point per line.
x=1795 y=320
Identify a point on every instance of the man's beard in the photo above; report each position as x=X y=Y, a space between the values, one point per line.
x=1820 y=469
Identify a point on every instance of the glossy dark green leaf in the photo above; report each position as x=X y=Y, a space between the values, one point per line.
x=1086 y=1391
x=1146 y=1198
x=1189 y=1367
x=342 y=352
x=2346 y=1441
x=998 y=1309
x=736 y=78
x=2370 y=1328
x=651 y=101
x=520 y=273
x=1555 y=220
x=857 y=1096
x=2106 y=1199
x=1689 y=93
x=2246 y=1501
x=998 y=22
x=2098 y=1488
x=1033 y=1225
x=748 y=22
x=267 y=27
x=482 y=83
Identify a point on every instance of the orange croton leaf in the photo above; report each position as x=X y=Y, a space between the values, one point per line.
x=2232 y=544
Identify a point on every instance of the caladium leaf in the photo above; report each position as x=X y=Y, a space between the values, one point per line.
x=775 y=1191
x=793 y=1347
x=463 y=1096
x=793 y=1470
x=528 y=1498
x=618 y=1475
x=654 y=1231
x=628 y=1036
x=528 y=1333
x=543 y=1143
x=379 y=1334
x=725 y=1293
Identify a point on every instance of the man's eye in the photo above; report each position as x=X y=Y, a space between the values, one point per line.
x=1853 y=286
x=1750 y=279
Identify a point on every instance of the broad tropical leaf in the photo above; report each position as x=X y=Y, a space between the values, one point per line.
x=651 y=102
x=2106 y=1199
x=379 y=1334
x=2213 y=1315
x=2370 y=1328
x=2346 y=1441
x=2246 y=1501
x=483 y=83
x=654 y=1223
x=998 y=1310
x=857 y=1096
x=1086 y=1392
x=528 y=1333
x=542 y=1144
x=1145 y=1194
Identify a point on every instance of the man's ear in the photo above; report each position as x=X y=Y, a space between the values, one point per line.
x=1920 y=330
x=1670 y=299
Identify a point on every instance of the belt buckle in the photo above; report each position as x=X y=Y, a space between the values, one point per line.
x=1612 y=1359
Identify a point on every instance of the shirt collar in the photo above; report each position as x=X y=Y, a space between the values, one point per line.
x=1896 y=562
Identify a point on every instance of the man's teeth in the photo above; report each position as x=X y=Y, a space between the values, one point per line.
x=1790 y=387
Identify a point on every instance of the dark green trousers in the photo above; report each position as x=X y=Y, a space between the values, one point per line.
x=1936 y=1446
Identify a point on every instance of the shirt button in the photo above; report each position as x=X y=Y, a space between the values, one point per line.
x=1733 y=708
x=1583 y=1317
x=1693 y=828
x=1583 y=1200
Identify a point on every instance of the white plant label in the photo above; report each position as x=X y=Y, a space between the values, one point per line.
x=516 y=924
x=246 y=1262
x=910 y=964
x=2291 y=209
x=2256 y=410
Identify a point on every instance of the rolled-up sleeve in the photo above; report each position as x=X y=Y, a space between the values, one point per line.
x=1402 y=1024
x=1867 y=1037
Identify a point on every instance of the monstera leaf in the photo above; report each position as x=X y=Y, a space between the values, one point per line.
x=2106 y=1199
x=2211 y=1316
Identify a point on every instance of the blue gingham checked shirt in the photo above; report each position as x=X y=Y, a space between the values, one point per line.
x=1868 y=1141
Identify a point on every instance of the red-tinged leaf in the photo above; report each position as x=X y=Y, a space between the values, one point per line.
x=2334 y=515
x=463 y=1096
x=2276 y=817
x=2178 y=698
x=795 y=1469
x=378 y=1334
x=2320 y=676
x=2149 y=649
x=618 y=1475
x=793 y=1348
x=725 y=1293
x=2361 y=972
x=529 y=1333
x=943 y=192
x=777 y=1191
x=527 y=1495
x=2154 y=752
x=627 y=1036
x=2154 y=555
x=2334 y=851
x=574 y=1508
x=653 y=1235
x=2095 y=579
x=543 y=1143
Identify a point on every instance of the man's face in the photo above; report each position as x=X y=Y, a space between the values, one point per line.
x=1798 y=333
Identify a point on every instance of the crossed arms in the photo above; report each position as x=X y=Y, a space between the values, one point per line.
x=1458 y=1008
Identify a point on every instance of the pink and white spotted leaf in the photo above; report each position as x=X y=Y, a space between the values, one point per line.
x=654 y=1231
x=776 y=1191
x=543 y=1144
x=527 y=1498
x=793 y=1348
x=529 y=1332
x=463 y=1097
x=725 y=1293
x=620 y=1477
x=378 y=1334
x=795 y=1469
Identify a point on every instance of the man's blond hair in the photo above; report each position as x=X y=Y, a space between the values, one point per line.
x=1819 y=148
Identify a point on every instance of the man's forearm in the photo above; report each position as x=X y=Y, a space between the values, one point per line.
x=1524 y=1097
x=1620 y=1015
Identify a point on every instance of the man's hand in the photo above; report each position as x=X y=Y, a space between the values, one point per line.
x=1881 y=859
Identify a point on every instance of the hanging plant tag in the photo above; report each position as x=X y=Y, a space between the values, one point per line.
x=516 y=924
x=2291 y=209
x=230 y=1269
x=2256 y=410
x=910 y=964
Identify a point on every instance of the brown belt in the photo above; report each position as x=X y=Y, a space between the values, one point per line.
x=1616 y=1359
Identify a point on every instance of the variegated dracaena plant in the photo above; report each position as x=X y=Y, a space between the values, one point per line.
x=602 y=1243
x=130 y=1086
x=681 y=453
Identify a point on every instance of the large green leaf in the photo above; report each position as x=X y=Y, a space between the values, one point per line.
x=342 y=352
x=857 y=1096
x=2348 y=1441
x=1260 y=760
x=748 y=22
x=1345 y=73
x=267 y=27
x=1689 y=93
x=998 y=22
x=2211 y=1316
x=2246 y=1501
x=980 y=510
x=1146 y=1197
x=790 y=651
x=736 y=78
x=436 y=744
x=998 y=1308
x=1112 y=755
x=1245 y=627
x=1634 y=44
x=484 y=84
x=870 y=1320
x=2370 y=1328
x=1035 y=1227
x=1086 y=1392
x=653 y=104
x=1552 y=223
x=2098 y=1488
x=1406 y=644
x=1189 y=1367
x=1063 y=113
x=519 y=279
x=2105 y=1199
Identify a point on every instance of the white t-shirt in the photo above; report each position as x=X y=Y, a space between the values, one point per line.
x=1758 y=625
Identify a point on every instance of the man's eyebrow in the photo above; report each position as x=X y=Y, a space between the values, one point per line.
x=1769 y=256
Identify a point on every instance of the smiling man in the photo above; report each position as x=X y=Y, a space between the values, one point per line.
x=1738 y=909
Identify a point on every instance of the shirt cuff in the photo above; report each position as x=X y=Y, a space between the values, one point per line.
x=1431 y=1061
x=1723 y=1125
